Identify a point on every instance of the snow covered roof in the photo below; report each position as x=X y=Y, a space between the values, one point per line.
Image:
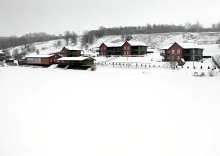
x=188 y=46
x=71 y=48
x=36 y=56
x=73 y=58
x=137 y=43
x=167 y=47
x=182 y=60
x=118 y=44
x=183 y=45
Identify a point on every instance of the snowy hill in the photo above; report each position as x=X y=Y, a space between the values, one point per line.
x=43 y=47
x=206 y=40
x=52 y=47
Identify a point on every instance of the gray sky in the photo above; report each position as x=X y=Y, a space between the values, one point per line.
x=19 y=17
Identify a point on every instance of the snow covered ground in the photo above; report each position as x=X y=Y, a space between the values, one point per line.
x=112 y=111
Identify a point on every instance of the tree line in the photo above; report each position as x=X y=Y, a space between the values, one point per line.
x=88 y=36
x=13 y=41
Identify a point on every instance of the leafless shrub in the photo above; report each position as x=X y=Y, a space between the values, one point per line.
x=211 y=73
x=93 y=67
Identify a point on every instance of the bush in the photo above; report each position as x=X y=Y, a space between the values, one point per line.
x=11 y=64
x=211 y=73
x=93 y=67
x=208 y=67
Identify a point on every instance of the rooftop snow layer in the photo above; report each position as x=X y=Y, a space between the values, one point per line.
x=137 y=43
x=119 y=44
x=71 y=48
x=72 y=58
x=184 y=46
x=36 y=56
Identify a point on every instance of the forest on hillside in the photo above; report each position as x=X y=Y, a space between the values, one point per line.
x=126 y=32
x=13 y=41
x=28 y=39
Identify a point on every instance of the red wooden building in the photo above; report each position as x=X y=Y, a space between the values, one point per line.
x=41 y=59
x=178 y=51
x=134 y=48
x=110 y=49
x=69 y=51
x=125 y=48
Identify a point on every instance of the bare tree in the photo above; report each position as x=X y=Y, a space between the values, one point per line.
x=16 y=55
x=57 y=43
x=67 y=35
x=73 y=37
x=173 y=62
x=87 y=38
x=198 y=26
x=216 y=61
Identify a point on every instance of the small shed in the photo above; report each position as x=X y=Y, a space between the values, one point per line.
x=45 y=60
x=181 y=62
x=76 y=62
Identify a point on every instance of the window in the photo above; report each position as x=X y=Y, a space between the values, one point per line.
x=128 y=48
x=124 y=48
x=34 y=60
x=173 y=51
x=172 y=58
x=178 y=58
x=178 y=51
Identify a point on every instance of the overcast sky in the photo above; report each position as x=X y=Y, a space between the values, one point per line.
x=18 y=17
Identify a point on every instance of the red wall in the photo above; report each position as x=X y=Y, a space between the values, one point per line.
x=175 y=47
x=45 y=61
x=128 y=50
x=102 y=49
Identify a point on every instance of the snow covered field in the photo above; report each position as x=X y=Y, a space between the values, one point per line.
x=109 y=112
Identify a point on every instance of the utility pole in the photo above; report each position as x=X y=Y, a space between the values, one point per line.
x=193 y=57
